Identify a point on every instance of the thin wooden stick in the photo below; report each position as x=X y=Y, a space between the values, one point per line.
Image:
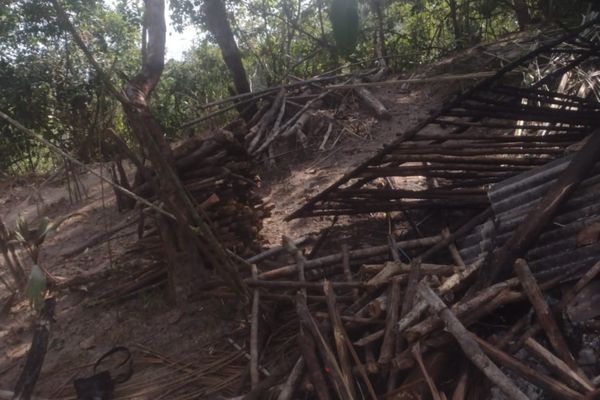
x=460 y=391
x=278 y=249
x=544 y=314
x=338 y=337
x=359 y=366
x=556 y=364
x=416 y=351
x=411 y=287
x=389 y=338
x=303 y=285
x=307 y=346
x=331 y=363
x=458 y=260
x=548 y=384
x=61 y=152
x=254 y=376
x=354 y=254
x=441 y=78
x=469 y=345
x=346 y=265
x=288 y=388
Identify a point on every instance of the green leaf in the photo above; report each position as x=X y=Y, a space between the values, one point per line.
x=344 y=21
x=35 y=290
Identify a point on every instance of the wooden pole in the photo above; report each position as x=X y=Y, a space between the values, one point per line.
x=544 y=314
x=469 y=345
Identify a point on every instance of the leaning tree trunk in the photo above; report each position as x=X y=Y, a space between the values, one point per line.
x=215 y=18
x=149 y=133
x=192 y=234
x=522 y=13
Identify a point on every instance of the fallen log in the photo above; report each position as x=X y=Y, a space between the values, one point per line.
x=372 y=102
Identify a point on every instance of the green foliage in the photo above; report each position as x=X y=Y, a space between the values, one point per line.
x=186 y=85
x=31 y=239
x=344 y=22
x=48 y=84
x=36 y=287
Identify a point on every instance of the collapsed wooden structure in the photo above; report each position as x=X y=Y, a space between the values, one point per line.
x=495 y=130
x=383 y=322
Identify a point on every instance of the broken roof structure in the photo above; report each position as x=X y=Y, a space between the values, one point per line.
x=527 y=115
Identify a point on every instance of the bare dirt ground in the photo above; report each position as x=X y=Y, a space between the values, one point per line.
x=83 y=332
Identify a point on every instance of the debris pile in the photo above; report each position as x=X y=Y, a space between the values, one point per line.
x=500 y=303
x=527 y=114
x=494 y=295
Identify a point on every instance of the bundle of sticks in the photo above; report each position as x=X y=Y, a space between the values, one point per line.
x=383 y=322
x=217 y=172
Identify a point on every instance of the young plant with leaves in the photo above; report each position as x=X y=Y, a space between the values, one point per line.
x=32 y=239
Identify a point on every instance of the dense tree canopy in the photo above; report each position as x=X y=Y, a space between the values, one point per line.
x=49 y=85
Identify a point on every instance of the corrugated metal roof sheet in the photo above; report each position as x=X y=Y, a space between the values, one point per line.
x=556 y=250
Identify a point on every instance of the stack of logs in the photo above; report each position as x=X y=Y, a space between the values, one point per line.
x=218 y=174
x=366 y=328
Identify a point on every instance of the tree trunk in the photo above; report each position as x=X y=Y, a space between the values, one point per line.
x=380 y=52
x=458 y=37
x=149 y=134
x=193 y=233
x=215 y=18
x=522 y=13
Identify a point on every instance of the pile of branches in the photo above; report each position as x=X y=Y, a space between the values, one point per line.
x=352 y=326
x=412 y=319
